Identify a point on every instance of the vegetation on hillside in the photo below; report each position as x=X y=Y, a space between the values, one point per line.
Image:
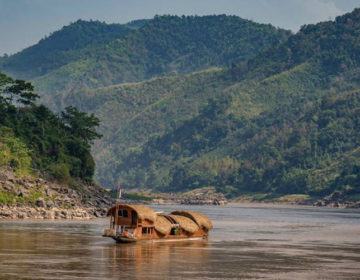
x=72 y=42
x=285 y=122
x=93 y=54
x=34 y=138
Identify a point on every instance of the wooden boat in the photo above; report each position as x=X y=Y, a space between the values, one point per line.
x=130 y=223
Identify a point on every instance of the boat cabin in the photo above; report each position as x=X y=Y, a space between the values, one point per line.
x=136 y=222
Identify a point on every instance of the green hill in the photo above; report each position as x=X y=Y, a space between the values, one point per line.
x=284 y=122
x=270 y=115
x=93 y=54
x=69 y=44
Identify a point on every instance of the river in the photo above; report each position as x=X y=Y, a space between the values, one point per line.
x=247 y=242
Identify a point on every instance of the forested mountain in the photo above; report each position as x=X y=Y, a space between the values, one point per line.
x=93 y=54
x=62 y=47
x=279 y=114
x=286 y=121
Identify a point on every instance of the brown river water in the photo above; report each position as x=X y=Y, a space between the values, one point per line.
x=247 y=242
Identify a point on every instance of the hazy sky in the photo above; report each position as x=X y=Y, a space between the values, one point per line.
x=25 y=22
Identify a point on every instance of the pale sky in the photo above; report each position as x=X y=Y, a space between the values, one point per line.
x=25 y=22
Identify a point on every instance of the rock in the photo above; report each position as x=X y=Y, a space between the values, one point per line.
x=22 y=192
x=48 y=192
x=50 y=204
x=336 y=197
x=317 y=203
x=205 y=196
x=7 y=174
x=39 y=181
x=50 y=215
x=31 y=212
x=65 y=214
x=40 y=202
x=28 y=186
x=5 y=212
x=335 y=204
x=57 y=213
x=21 y=215
x=355 y=205
x=9 y=186
x=3 y=177
x=159 y=201
x=64 y=190
x=97 y=214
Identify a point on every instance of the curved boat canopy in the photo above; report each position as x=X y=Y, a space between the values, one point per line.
x=144 y=212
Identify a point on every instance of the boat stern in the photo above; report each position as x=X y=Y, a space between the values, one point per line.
x=109 y=232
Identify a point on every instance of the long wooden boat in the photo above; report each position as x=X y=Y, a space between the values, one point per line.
x=131 y=223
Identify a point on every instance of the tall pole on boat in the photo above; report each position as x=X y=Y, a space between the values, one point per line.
x=118 y=196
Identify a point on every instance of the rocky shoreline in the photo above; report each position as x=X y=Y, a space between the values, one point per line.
x=209 y=196
x=336 y=200
x=38 y=198
x=202 y=196
x=196 y=197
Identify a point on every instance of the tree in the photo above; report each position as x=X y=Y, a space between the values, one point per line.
x=80 y=124
x=56 y=145
x=17 y=91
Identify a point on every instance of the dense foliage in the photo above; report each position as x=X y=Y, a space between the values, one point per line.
x=33 y=137
x=62 y=47
x=93 y=54
x=285 y=122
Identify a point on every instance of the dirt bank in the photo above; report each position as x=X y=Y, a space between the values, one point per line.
x=28 y=197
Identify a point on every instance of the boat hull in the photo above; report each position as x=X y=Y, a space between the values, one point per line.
x=122 y=239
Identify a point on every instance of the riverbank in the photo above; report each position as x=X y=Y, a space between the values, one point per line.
x=334 y=200
x=209 y=196
x=201 y=196
x=27 y=197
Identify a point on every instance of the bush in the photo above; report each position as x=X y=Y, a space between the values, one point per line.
x=60 y=172
x=6 y=198
x=136 y=196
x=13 y=152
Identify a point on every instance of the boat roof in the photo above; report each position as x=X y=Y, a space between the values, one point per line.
x=144 y=212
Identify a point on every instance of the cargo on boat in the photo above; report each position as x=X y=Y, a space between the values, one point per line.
x=130 y=223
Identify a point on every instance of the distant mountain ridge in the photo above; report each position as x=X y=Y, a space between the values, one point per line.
x=94 y=54
x=62 y=47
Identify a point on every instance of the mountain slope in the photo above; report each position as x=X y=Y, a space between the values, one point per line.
x=165 y=45
x=286 y=121
x=62 y=47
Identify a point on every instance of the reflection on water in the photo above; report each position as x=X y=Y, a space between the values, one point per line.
x=247 y=242
x=157 y=258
